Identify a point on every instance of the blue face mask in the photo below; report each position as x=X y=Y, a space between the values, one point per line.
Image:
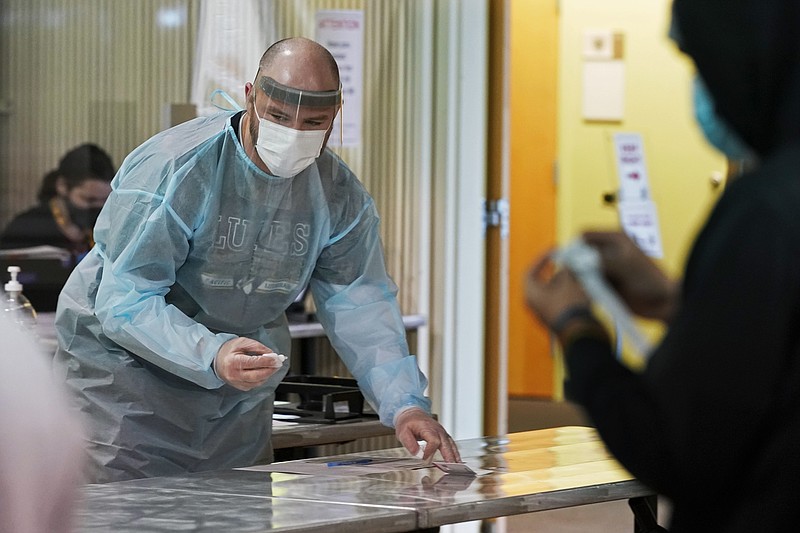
x=717 y=132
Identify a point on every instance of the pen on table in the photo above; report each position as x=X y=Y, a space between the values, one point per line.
x=350 y=462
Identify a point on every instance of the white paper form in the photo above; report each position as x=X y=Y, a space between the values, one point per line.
x=350 y=465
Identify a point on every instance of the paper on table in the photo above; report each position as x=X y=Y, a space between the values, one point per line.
x=320 y=466
x=457 y=469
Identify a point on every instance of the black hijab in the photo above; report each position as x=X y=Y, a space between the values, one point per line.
x=748 y=54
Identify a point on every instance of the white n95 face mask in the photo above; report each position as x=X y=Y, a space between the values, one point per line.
x=287 y=151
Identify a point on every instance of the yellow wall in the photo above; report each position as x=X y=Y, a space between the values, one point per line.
x=546 y=92
x=658 y=105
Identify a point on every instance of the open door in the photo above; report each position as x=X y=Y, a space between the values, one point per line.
x=533 y=144
x=522 y=155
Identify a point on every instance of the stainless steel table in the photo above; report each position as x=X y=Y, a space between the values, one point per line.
x=225 y=501
x=517 y=473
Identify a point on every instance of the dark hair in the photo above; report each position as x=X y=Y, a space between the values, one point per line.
x=47 y=189
x=87 y=161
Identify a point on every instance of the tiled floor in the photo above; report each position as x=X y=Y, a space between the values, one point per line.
x=528 y=413
x=613 y=517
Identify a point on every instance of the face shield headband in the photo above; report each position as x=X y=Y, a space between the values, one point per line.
x=299 y=97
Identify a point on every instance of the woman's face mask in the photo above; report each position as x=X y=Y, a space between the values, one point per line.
x=287 y=151
x=85 y=200
x=84 y=218
x=715 y=129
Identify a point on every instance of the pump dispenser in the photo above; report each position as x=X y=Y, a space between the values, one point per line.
x=15 y=302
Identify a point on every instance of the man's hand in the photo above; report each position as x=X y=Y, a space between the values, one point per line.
x=245 y=363
x=549 y=293
x=638 y=280
x=416 y=425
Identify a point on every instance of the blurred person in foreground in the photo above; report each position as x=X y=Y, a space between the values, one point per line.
x=70 y=200
x=713 y=420
x=169 y=328
x=40 y=440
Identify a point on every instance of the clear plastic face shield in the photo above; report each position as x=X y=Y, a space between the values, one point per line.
x=294 y=125
x=305 y=109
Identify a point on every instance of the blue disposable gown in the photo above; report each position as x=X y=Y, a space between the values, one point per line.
x=195 y=246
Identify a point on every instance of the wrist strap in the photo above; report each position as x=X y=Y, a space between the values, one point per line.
x=568 y=315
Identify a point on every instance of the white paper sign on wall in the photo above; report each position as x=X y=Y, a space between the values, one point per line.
x=342 y=33
x=603 y=92
x=637 y=212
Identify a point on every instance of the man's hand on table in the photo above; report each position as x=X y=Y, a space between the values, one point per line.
x=415 y=425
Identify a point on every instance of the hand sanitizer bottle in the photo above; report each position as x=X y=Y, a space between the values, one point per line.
x=15 y=302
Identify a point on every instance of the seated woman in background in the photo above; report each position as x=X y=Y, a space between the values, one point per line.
x=70 y=200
